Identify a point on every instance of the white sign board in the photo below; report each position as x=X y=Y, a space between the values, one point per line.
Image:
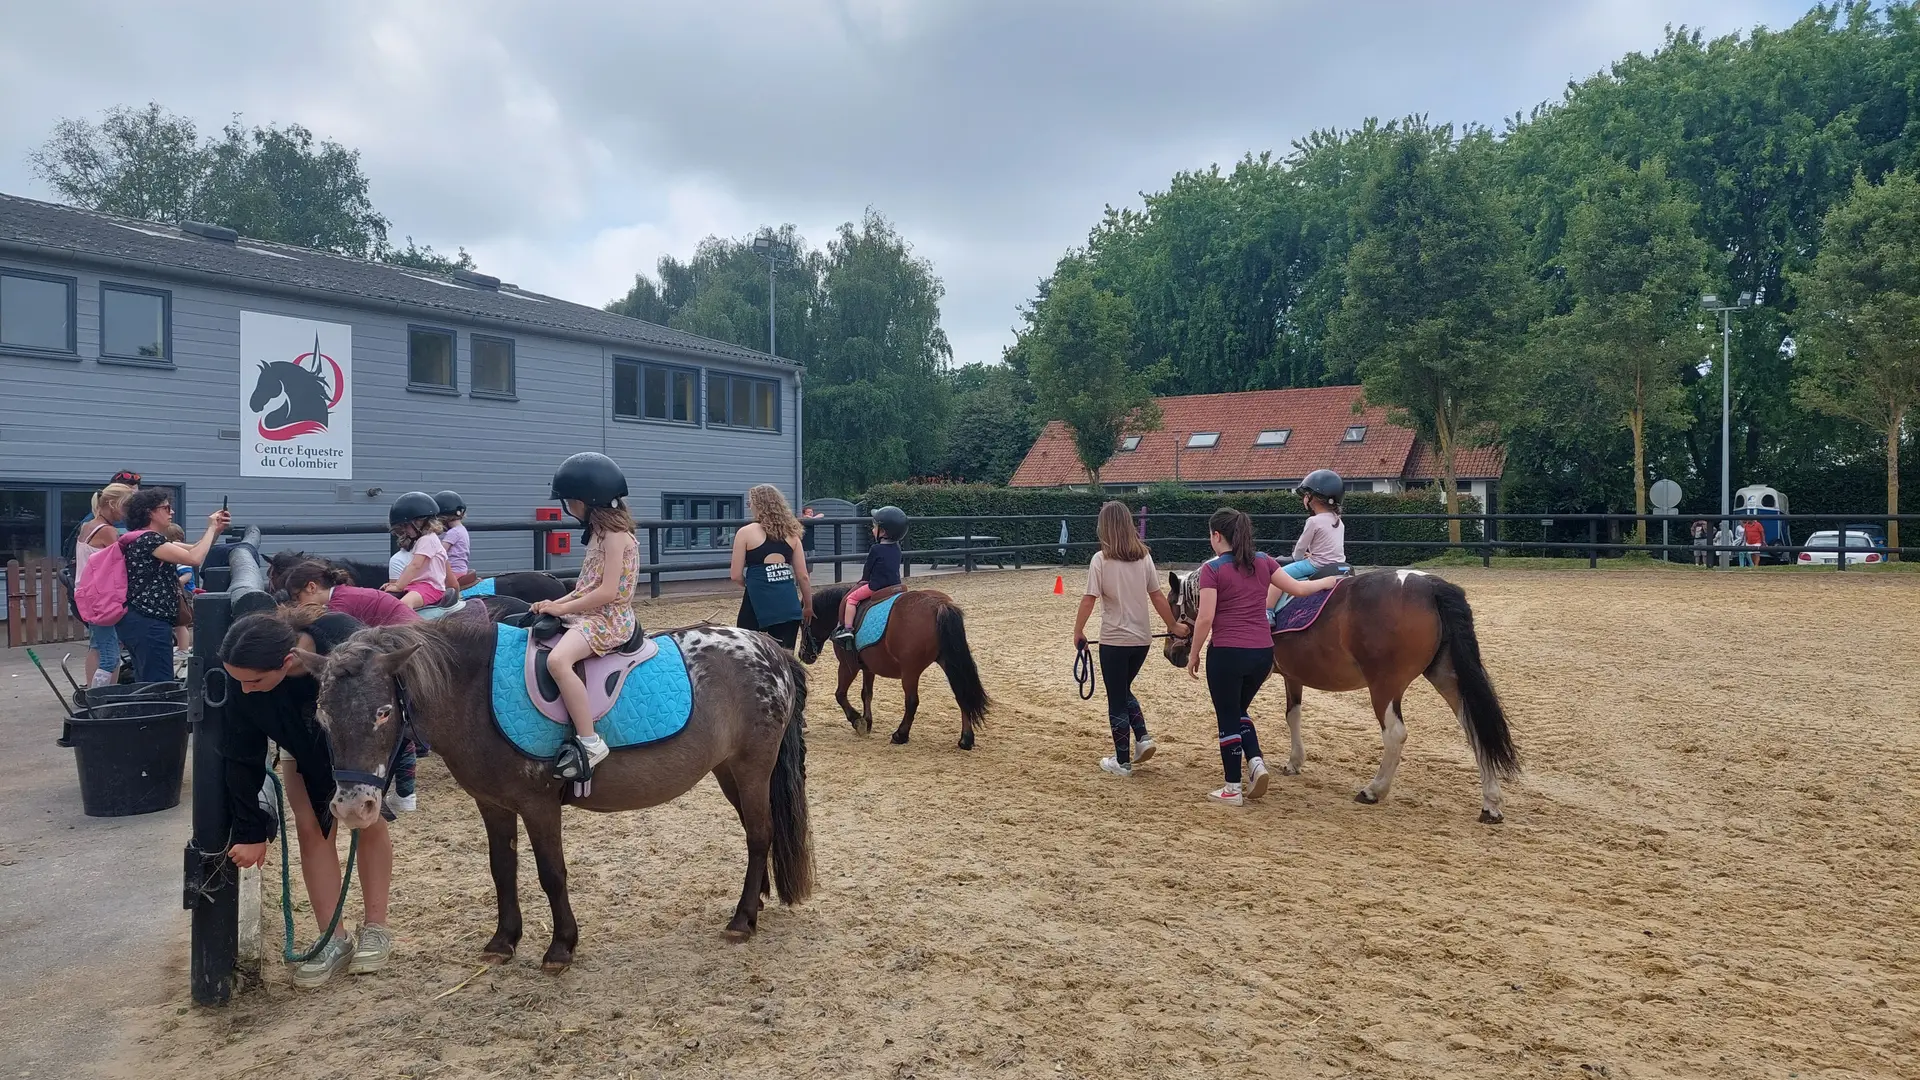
x=296 y=397
x=1665 y=496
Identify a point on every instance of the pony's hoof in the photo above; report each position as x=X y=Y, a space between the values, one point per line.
x=558 y=959
x=899 y=738
x=737 y=935
x=1488 y=817
x=1289 y=769
x=966 y=741
x=496 y=957
x=1365 y=796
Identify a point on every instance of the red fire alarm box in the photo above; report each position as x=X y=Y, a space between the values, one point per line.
x=558 y=543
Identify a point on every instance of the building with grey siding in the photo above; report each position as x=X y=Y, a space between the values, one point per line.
x=133 y=345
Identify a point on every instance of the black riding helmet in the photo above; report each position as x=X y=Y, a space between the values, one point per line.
x=413 y=506
x=450 y=502
x=592 y=478
x=1325 y=483
x=892 y=521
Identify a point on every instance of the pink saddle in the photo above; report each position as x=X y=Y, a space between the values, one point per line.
x=604 y=675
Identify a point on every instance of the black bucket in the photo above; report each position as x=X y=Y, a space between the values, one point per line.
x=107 y=695
x=132 y=756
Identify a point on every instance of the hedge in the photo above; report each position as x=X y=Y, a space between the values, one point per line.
x=1176 y=519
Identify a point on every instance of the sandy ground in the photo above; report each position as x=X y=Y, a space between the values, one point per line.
x=1708 y=870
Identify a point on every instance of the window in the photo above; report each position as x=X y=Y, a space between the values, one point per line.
x=36 y=312
x=133 y=323
x=699 y=508
x=492 y=371
x=1203 y=440
x=1275 y=437
x=655 y=392
x=1351 y=486
x=1356 y=433
x=738 y=401
x=1129 y=444
x=430 y=358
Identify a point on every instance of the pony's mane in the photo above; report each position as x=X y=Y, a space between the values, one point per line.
x=827 y=601
x=447 y=662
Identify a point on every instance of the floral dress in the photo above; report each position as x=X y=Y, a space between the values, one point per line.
x=606 y=628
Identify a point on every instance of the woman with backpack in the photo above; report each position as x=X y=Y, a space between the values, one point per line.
x=153 y=586
x=98 y=531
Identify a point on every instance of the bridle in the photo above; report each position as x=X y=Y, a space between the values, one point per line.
x=384 y=780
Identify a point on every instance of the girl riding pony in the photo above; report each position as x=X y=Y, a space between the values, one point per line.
x=1323 y=541
x=414 y=521
x=453 y=517
x=882 y=570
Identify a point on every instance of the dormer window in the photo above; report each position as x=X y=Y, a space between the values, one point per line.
x=1356 y=433
x=1275 y=437
x=1130 y=444
x=1203 y=440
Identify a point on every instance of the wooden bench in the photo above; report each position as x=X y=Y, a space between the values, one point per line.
x=38 y=609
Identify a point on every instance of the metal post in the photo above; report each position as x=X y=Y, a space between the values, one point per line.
x=1726 y=429
x=539 y=548
x=773 y=347
x=836 y=552
x=653 y=556
x=1843 y=546
x=1665 y=555
x=1593 y=541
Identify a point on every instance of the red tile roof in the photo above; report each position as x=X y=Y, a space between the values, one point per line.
x=1316 y=417
x=1469 y=463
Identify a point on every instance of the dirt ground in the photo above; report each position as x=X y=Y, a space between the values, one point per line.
x=1708 y=870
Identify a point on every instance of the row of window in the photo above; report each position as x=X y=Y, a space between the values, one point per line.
x=1271 y=438
x=37 y=313
x=699 y=508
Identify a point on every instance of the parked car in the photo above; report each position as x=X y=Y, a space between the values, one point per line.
x=1823 y=548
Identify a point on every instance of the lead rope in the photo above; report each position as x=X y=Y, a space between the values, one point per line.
x=1083 y=670
x=286 y=882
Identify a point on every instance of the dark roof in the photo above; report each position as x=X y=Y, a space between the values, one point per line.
x=1315 y=418
x=51 y=230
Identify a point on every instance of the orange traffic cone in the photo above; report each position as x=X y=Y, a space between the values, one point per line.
x=1059 y=585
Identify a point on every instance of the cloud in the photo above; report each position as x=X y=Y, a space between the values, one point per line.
x=570 y=145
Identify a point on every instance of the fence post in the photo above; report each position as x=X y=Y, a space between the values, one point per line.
x=967 y=545
x=653 y=556
x=836 y=553
x=539 y=549
x=1843 y=546
x=1593 y=542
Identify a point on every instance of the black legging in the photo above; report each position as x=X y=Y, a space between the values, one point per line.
x=1118 y=666
x=1234 y=676
x=785 y=633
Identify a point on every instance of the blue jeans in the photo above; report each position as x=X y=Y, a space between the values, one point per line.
x=105 y=640
x=1300 y=570
x=151 y=643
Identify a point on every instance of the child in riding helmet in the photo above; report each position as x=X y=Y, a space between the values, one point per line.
x=453 y=516
x=414 y=521
x=882 y=570
x=1323 y=541
x=599 y=610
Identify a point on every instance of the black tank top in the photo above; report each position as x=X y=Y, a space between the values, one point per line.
x=770 y=589
x=757 y=556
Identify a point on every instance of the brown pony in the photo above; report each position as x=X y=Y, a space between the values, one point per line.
x=925 y=628
x=749 y=697
x=1380 y=631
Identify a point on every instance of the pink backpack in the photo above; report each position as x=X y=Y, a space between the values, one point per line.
x=101 y=595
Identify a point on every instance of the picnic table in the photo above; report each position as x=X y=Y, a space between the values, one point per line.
x=971 y=542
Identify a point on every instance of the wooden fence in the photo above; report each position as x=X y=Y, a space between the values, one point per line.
x=38 y=611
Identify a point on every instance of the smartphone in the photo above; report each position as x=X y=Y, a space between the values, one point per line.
x=223 y=502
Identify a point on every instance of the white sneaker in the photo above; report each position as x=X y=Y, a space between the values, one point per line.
x=1114 y=766
x=1144 y=750
x=401 y=804
x=1256 y=778
x=101 y=678
x=1228 y=796
x=596 y=748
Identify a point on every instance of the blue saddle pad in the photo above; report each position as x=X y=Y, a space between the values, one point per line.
x=654 y=704
x=483 y=587
x=1297 y=613
x=873 y=626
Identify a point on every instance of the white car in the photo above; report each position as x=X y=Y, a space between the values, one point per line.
x=1823 y=549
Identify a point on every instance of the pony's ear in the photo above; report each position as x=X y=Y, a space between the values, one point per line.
x=1173 y=583
x=315 y=664
x=396 y=661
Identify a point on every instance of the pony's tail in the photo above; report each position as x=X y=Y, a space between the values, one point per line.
x=792 y=832
x=957 y=661
x=1485 y=721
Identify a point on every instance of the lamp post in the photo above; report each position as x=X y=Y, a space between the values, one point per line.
x=779 y=253
x=1712 y=303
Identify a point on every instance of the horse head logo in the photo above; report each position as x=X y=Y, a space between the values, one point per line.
x=307 y=388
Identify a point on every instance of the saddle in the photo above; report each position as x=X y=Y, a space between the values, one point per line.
x=860 y=610
x=603 y=675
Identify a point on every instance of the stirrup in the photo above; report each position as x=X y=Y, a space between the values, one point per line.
x=573 y=762
x=843 y=634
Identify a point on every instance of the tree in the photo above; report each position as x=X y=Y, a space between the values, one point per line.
x=993 y=424
x=1077 y=355
x=1859 y=339
x=138 y=163
x=423 y=257
x=1632 y=267
x=1434 y=295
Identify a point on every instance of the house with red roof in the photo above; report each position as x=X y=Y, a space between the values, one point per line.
x=1262 y=440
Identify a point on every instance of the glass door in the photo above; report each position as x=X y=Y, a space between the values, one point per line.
x=23 y=523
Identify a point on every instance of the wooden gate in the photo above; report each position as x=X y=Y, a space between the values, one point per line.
x=38 y=610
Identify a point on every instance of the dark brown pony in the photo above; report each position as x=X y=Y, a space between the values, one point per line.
x=749 y=699
x=925 y=628
x=1379 y=632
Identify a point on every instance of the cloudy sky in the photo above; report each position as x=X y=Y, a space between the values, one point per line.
x=569 y=144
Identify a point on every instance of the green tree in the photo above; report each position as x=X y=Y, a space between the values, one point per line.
x=1434 y=296
x=1859 y=341
x=1632 y=267
x=138 y=163
x=993 y=424
x=1077 y=352
x=423 y=257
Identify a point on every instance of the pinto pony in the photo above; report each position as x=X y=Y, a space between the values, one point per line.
x=1379 y=632
x=925 y=628
x=749 y=701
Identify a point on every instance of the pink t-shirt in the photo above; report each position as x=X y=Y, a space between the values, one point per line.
x=1323 y=542
x=1240 y=609
x=374 y=607
x=458 y=549
x=431 y=546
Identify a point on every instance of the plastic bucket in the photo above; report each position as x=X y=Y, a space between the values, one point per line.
x=131 y=755
x=107 y=695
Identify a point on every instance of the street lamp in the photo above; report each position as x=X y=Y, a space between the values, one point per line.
x=778 y=253
x=1712 y=303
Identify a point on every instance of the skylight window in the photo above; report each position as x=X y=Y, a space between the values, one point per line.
x=1274 y=437
x=1356 y=433
x=1129 y=444
x=1203 y=440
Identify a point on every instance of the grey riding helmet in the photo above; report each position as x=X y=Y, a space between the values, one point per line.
x=1325 y=483
x=892 y=521
x=450 y=502
x=413 y=506
x=591 y=478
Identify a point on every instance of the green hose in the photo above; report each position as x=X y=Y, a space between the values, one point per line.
x=286 y=882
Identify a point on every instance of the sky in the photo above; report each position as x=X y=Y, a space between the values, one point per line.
x=569 y=144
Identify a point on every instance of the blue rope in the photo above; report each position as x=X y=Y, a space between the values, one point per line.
x=286 y=882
